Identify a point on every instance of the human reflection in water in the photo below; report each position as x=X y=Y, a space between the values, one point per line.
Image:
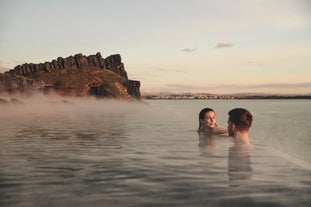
x=207 y=144
x=239 y=164
x=208 y=130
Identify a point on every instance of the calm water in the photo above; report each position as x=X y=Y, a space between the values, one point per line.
x=107 y=153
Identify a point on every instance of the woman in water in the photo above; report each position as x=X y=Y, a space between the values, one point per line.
x=207 y=123
x=208 y=130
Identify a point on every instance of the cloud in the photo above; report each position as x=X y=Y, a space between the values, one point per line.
x=283 y=85
x=278 y=14
x=281 y=88
x=268 y=85
x=184 y=87
x=255 y=63
x=156 y=73
x=223 y=45
x=3 y=68
x=170 y=70
x=235 y=86
x=189 y=49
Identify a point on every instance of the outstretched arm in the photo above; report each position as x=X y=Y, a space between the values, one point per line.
x=220 y=130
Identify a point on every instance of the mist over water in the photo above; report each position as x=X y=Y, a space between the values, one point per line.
x=87 y=152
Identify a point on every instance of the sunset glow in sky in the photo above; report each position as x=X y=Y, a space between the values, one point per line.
x=227 y=46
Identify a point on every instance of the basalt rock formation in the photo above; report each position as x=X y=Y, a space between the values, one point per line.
x=21 y=84
x=77 y=75
x=77 y=61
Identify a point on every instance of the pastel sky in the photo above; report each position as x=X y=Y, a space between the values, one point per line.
x=225 y=46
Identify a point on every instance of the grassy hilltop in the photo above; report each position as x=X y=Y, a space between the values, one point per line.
x=66 y=79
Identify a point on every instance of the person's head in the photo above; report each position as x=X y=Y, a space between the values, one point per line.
x=207 y=119
x=239 y=120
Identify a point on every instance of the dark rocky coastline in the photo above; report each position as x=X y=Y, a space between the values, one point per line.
x=16 y=83
x=29 y=78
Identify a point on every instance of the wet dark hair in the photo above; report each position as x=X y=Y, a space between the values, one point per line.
x=202 y=114
x=242 y=118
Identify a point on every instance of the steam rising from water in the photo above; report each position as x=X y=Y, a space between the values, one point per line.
x=67 y=106
x=80 y=117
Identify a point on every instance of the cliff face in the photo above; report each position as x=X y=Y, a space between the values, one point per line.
x=19 y=84
x=77 y=61
x=133 y=88
x=73 y=75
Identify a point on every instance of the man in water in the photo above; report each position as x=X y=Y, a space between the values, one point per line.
x=239 y=122
x=239 y=164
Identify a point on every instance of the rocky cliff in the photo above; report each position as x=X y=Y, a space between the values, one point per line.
x=73 y=75
x=77 y=61
x=21 y=84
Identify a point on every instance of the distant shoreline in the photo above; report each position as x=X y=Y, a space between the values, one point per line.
x=203 y=97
